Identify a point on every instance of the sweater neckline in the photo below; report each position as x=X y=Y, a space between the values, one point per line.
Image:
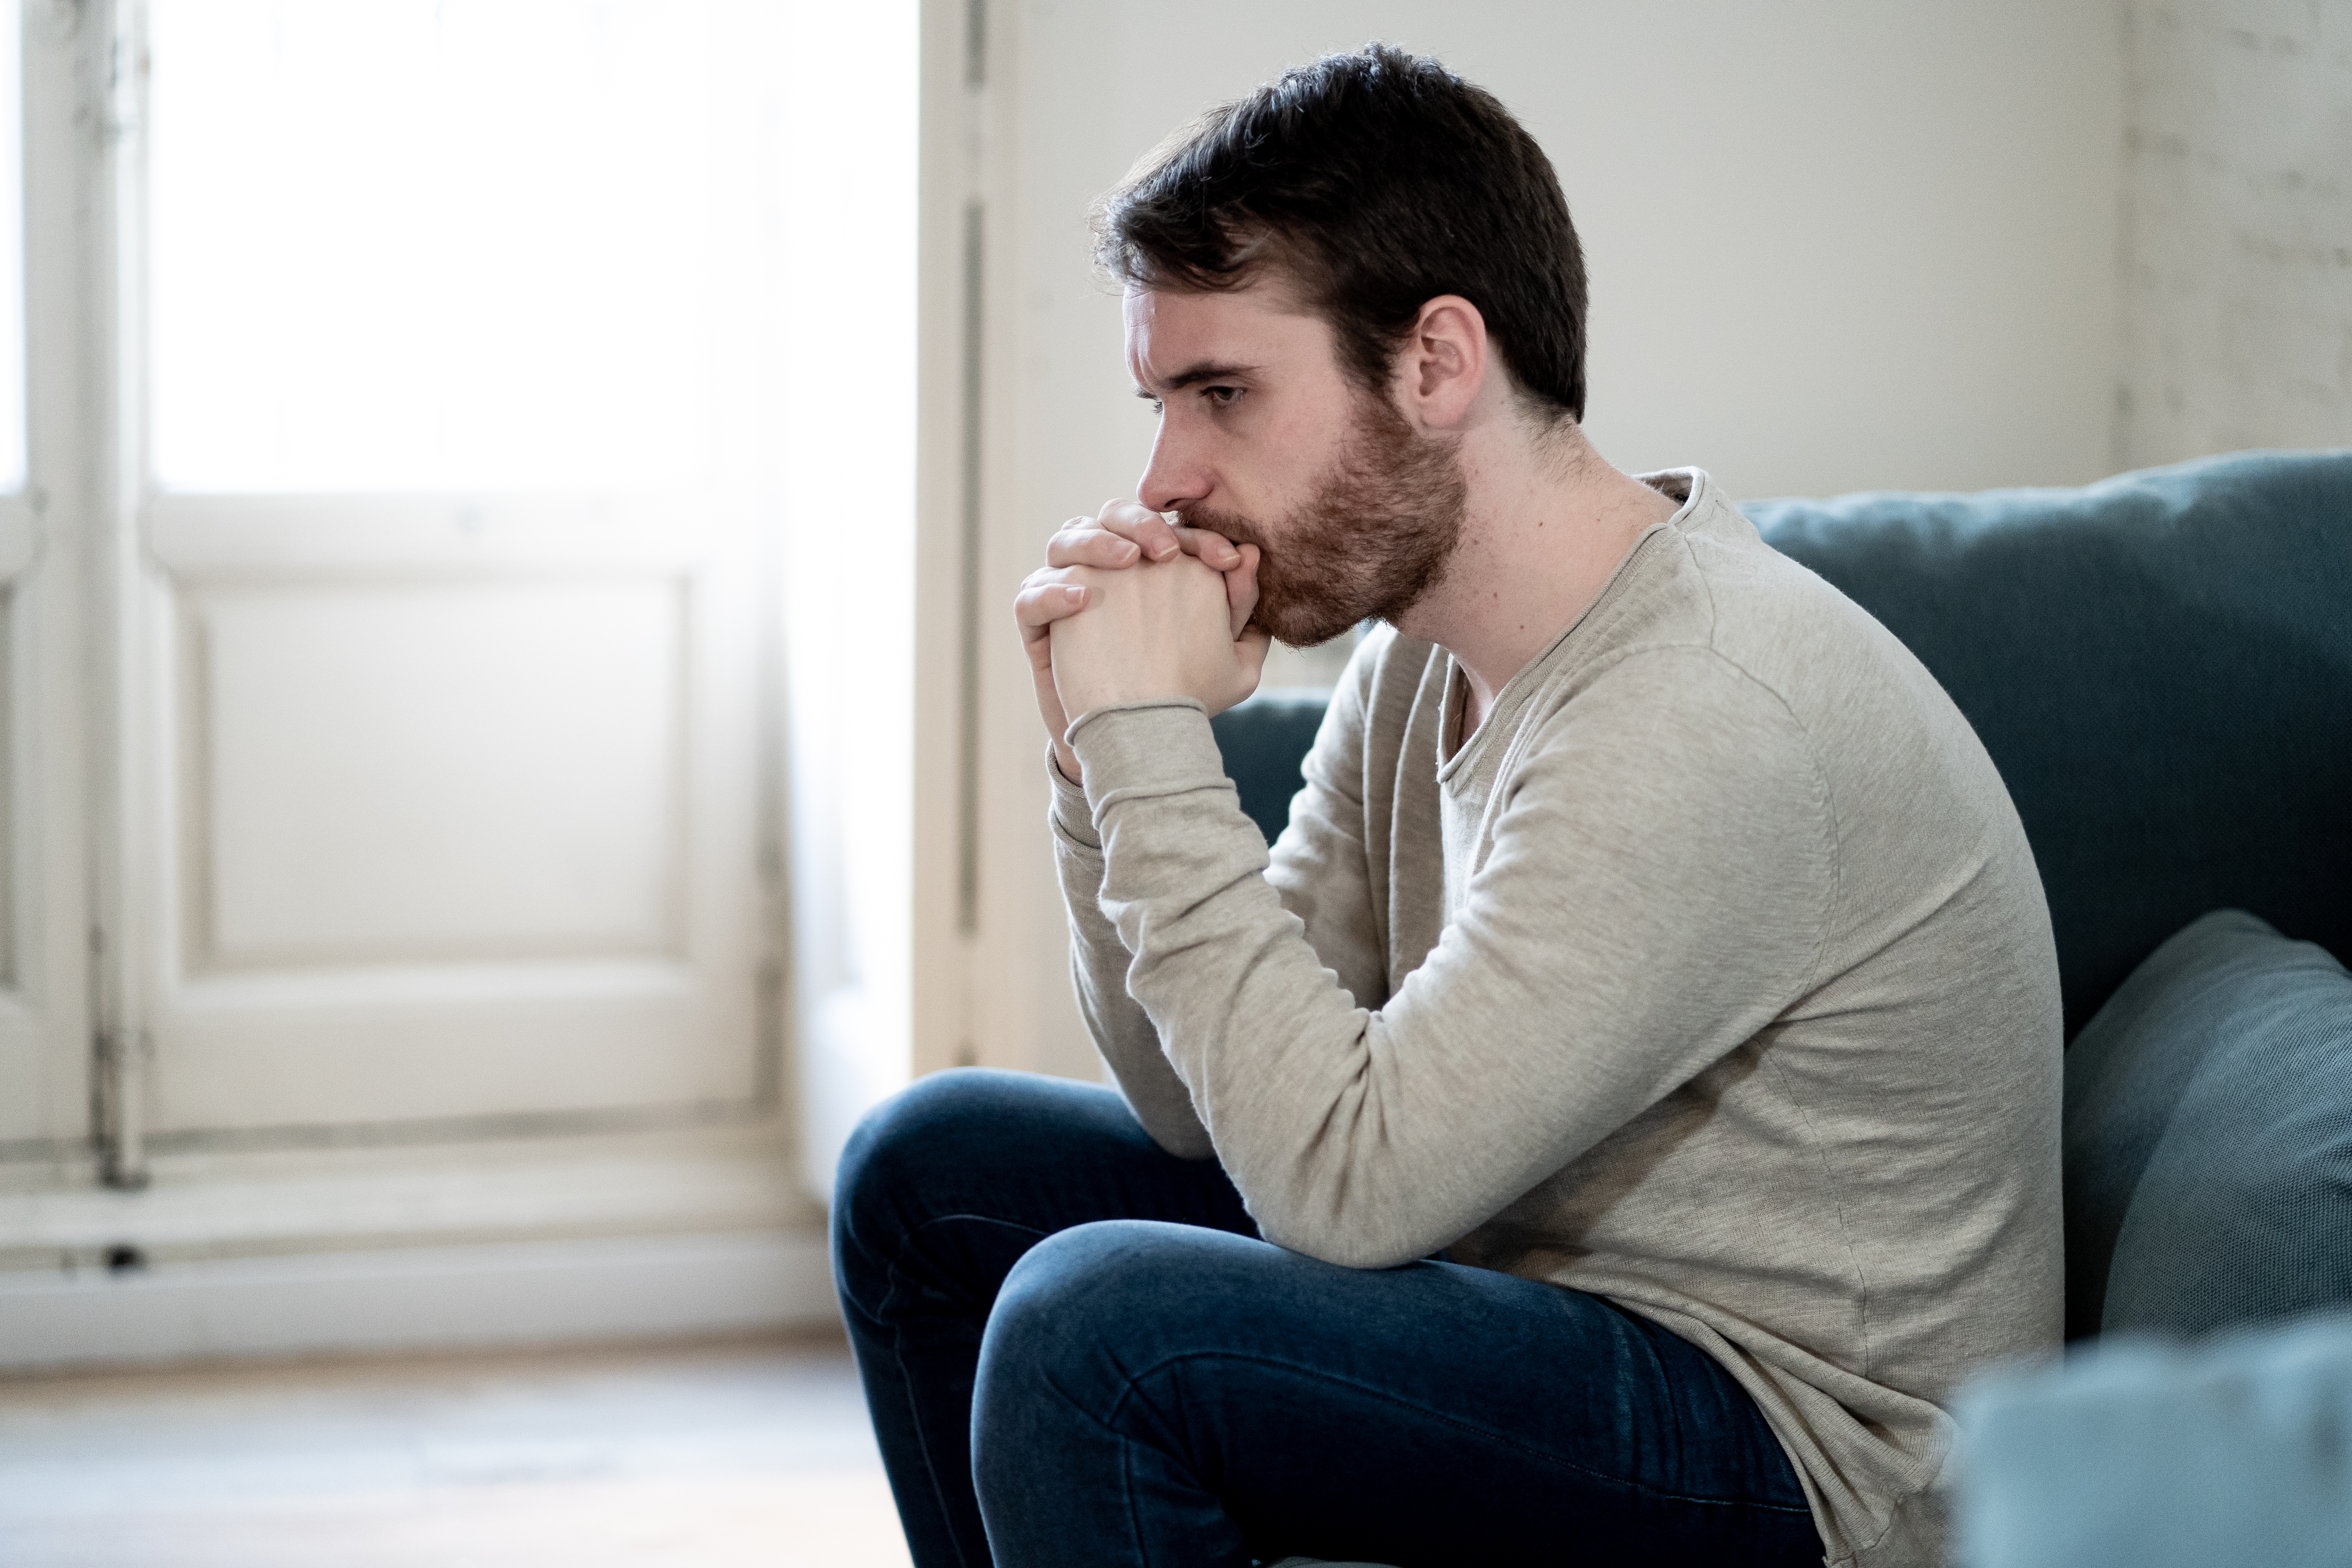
x=1689 y=486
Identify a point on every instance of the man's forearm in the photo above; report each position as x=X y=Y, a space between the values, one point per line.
x=1527 y=1036
x=1098 y=961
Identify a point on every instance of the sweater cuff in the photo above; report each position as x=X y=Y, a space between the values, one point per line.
x=1131 y=750
x=1072 y=818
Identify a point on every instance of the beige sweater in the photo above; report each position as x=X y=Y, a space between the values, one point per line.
x=1712 y=976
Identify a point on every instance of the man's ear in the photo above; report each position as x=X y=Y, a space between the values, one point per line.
x=1444 y=362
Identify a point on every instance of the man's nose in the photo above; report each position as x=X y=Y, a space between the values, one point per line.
x=1172 y=480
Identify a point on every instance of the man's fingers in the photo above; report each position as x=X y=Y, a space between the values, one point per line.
x=1091 y=546
x=1080 y=542
x=1151 y=533
x=1241 y=588
x=1156 y=537
x=1251 y=646
x=1212 y=549
x=1040 y=604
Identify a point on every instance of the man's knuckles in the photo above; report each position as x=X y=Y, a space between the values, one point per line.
x=1178 y=590
x=1149 y=530
x=1090 y=547
x=1046 y=576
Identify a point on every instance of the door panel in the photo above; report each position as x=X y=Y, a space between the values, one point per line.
x=442 y=750
x=451 y=771
x=446 y=844
x=45 y=701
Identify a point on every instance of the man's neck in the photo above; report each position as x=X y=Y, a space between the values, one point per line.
x=1548 y=522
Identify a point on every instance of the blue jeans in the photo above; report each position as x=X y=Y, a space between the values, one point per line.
x=1077 y=1351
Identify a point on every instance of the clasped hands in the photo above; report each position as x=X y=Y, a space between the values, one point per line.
x=1129 y=607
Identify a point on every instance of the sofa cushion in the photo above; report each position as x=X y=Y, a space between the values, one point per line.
x=2208 y=1136
x=2138 y=1455
x=2160 y=665
x=1263 y=741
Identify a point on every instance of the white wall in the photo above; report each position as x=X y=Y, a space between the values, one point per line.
x=2237 y=228
x=1833 y=245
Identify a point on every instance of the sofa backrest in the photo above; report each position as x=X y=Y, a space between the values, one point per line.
x=2160 y=665
x=1265 y=741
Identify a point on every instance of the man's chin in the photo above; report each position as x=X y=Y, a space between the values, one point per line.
x=1298 y=625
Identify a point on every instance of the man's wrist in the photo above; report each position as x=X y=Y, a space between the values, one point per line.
x=1151 y=747
x=1071 y=814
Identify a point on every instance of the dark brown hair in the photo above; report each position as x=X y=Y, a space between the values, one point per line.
x=1375 y=182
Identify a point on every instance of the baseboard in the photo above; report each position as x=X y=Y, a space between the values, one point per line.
x=505 y=1293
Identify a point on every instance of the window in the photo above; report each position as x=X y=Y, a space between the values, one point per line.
x=466 y=372
x=402 y=246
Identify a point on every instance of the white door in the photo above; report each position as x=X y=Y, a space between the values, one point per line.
x=45 y=933
x=438 y=597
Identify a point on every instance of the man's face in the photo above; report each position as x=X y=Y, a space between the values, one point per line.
x=1265 y=440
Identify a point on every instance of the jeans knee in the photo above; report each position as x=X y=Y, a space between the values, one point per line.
x=910 y=1145
x=1105 y=1287
x=931 y=1123
x=1090 y=1316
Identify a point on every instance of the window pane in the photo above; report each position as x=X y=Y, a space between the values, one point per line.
x=12 y=249
x=431 y=244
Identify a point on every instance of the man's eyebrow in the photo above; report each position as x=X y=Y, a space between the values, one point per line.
x=1193 y=375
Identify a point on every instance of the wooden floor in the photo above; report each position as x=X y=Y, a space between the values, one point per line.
x=713 y=1456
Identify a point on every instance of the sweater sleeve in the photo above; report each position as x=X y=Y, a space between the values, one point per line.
x=1098 y=959
x=1657 y=891
x=1319 y=867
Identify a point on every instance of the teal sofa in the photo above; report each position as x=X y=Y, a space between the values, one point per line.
x=2160 y=665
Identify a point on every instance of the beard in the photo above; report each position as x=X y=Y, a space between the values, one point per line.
x=1376 y=536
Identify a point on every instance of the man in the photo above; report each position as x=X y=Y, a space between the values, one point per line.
x=1626 y=1101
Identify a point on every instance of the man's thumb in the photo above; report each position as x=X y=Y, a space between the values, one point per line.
x=1241 y=590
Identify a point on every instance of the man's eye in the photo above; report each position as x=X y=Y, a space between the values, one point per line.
x=1223 y=396
x=1157 y=407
